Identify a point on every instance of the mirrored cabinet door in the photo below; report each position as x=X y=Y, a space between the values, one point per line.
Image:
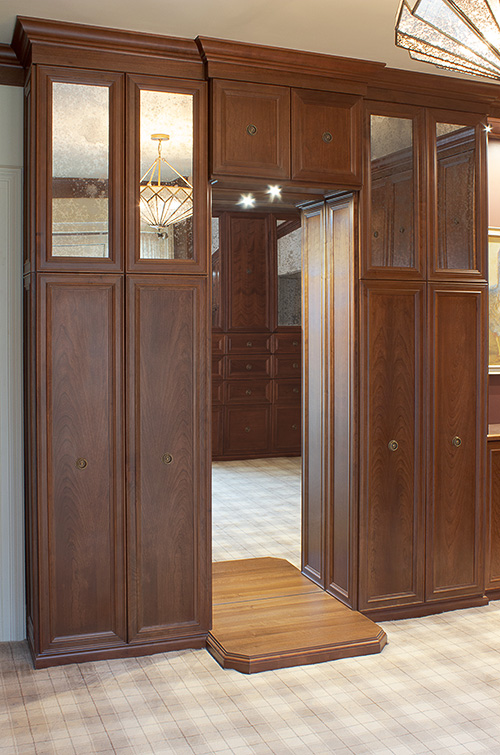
x=392 y=243
x=82 y=173
x=459 y=241
x=166 y=176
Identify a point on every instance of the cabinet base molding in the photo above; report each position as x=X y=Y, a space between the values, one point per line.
x=424 y=609
x=60 y=658
x=493 y=593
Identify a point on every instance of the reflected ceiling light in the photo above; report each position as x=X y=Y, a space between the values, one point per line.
x=247 y=200
x=460 y=35
x=164 y=203
x=274 y=192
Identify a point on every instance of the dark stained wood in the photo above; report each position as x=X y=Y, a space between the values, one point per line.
x=288 y=366
x=11 y=71
x=248 y=343
x=493 y=517
x=251 y=130
x=326 y=138
x=286 y=428
x=80 y=519
x=455 y=490
x=168 y=536
x=217 y=427
x=249 y=366
x=287 y=391
x=249 y=391
x=391 y=500
x=267 y=616
x=248 y=429
x=287 y=342
x=393 y=613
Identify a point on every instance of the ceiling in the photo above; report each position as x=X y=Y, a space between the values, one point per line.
x=351 y=28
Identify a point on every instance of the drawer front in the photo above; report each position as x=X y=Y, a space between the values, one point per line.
x=287 y=343
x=217 y=391
x=217 y=367
x=287 y=391
x=218 y=344
x=287 y=435
x=248 y=367
x=247 y=429
x=249 y=392
x=248 y=343
x=288 y=367
x=217 y=417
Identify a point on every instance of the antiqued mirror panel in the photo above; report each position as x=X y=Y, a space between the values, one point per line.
x=80 y=170
x=392 y=230
x=166 y=175
x=289 y=246
x=456 y=196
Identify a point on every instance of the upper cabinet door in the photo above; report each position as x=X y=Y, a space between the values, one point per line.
x=166 y=169
x=326 y=138
x=250 y=130
x=392 y=244
x=457 y=192
x=80 y=174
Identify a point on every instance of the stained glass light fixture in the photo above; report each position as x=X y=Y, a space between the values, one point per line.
x=164 y=203
x=460 y=35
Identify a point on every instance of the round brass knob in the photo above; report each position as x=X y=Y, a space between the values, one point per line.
x=81 y=463
x=247 y=429
x=167 y=458
x=327 y=137
x=248 y=366
x=294 y=427
x=393 y=445
x=295 y=343
x=251 y=129
x=457 y=442
x=401 y=230
x=296 y=365
x=295 y=390
x=249 y=343
x=248 y=392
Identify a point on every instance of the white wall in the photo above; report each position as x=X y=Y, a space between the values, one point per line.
x=12 y=608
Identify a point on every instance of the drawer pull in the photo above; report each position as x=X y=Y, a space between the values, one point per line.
x=375 y=234
x=295 y=343
x=167 y=458
x=457 y=442
x=247 y=429
x=81 y=463
x=294 y=427
x=248 y=392
x=327 y=137
x=295 y=390
x=393 y=445
x=249 y=271
x=251 y=129
x=248 y=366
x=249 y=343
x=295 y=365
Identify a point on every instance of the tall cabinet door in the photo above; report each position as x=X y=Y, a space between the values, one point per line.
x=457 y=434
x=81 y=567
x=391 y=500
x=168 y=457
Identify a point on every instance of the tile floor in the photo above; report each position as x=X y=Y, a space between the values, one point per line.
x=434 y=689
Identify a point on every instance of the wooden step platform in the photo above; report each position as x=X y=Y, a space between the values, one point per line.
x=267 y=615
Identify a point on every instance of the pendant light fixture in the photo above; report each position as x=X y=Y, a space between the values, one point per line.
x=459 y=35
x=164 y=203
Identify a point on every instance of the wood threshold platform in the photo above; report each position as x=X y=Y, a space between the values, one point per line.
x=267 y=615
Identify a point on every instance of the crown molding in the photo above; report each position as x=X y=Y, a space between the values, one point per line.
x=11 y=71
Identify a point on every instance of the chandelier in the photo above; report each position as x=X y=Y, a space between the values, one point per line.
x=164 y=203
x=460 y=35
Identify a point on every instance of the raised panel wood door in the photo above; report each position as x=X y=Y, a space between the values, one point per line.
x=391 y=499
x=457 y=433
x=493 y=520
x=168 y=456
x=81 y=561
x=250 y=273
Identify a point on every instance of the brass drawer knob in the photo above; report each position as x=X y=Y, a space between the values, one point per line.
x=249 y=366
x=247 y=429
x=251 y=129
x=167 y=458
x=249 y=343
x=295 y=365
x=248 y=392
x=295 y=343
x=457 y=442
x=81 y=463
x=295 y=390
x=327 y=137
x=393 y=445
x=294 y=427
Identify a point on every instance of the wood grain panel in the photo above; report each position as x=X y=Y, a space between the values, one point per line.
x=247 y=429
x=251 y=130
x=81 y=554
x=286 y=428
x=455 y=558
x=326 y=137
x=250 y=273
x=168 y=497
x=391 y=504
x=493 y=518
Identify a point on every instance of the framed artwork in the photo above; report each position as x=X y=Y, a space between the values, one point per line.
x=494 y=299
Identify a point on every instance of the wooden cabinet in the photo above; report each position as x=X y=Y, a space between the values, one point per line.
x=493 y=515
x=277 y=132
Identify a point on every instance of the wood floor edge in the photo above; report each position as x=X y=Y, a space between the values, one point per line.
x=300 y=657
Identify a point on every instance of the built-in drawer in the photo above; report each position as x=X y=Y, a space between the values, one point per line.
x=217 y=366
x=218 y=344
x=247 y=429
x=217 y=391
x=238 y=367
x=287 y=342
x=248 y=343
x=287 y=436
x=249 y=392
x=288 y=367
x=287 y=391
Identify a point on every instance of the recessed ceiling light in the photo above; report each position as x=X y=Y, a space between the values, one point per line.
x=488 y=128
x=274 y=192
x=247 y=200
